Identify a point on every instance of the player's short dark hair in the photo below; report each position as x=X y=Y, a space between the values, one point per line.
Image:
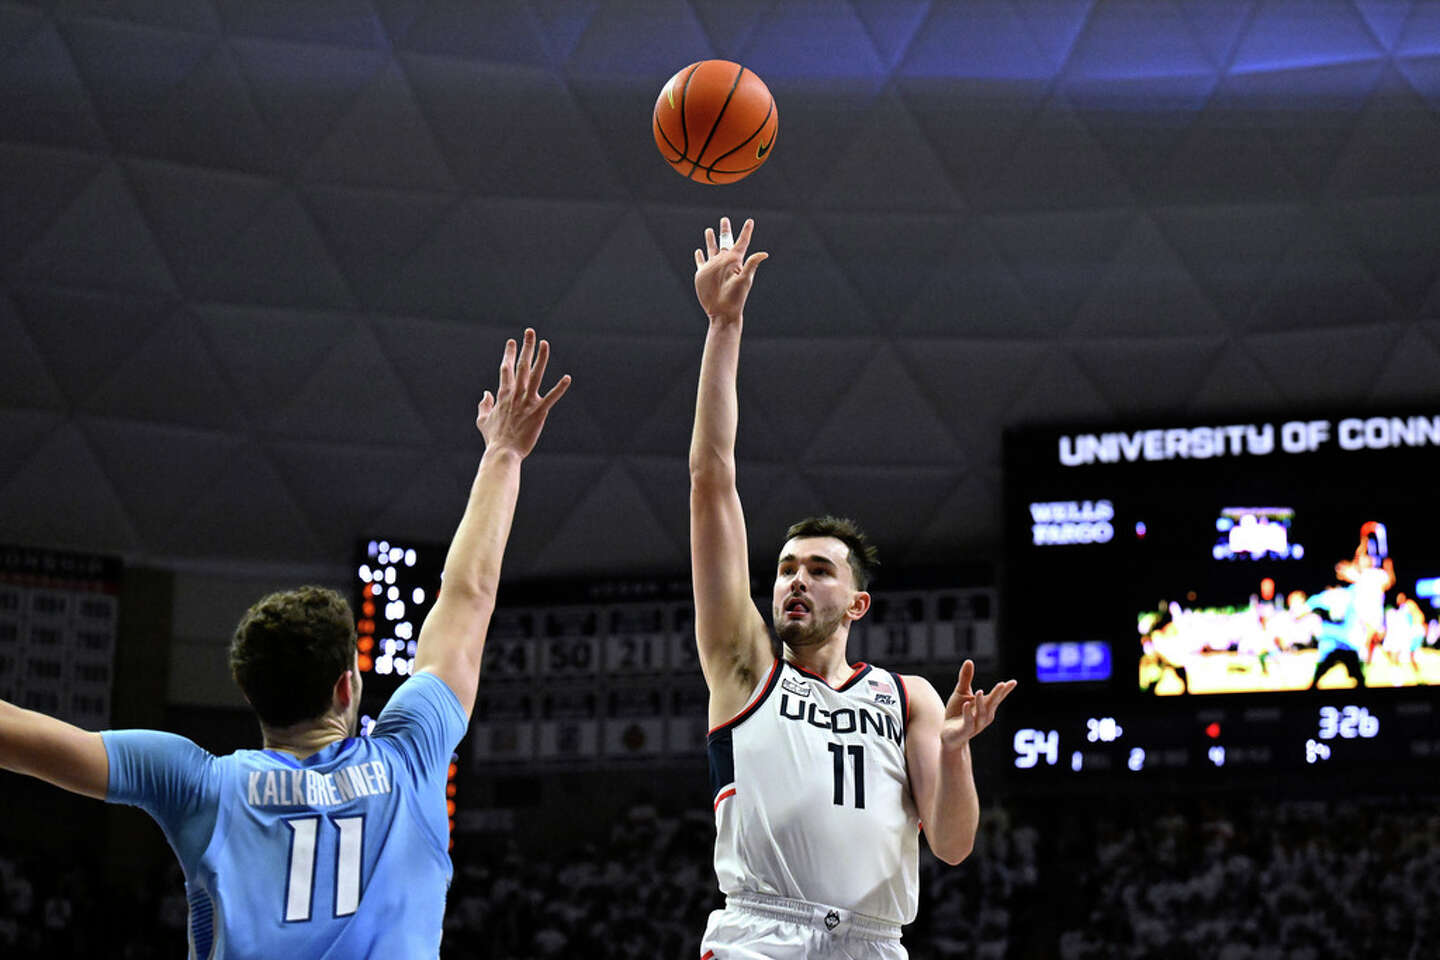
x=864 y=558
x=288 y=651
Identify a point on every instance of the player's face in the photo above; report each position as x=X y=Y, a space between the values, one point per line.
x=814 y=590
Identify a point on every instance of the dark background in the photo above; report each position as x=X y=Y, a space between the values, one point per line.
x=258 y=260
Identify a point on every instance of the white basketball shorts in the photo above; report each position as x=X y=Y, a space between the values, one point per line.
x=753 y=927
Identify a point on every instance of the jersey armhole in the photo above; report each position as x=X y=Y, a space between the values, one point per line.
x=904 y=698
x=755 y=700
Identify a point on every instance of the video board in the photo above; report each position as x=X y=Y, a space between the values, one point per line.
x=1204 y=596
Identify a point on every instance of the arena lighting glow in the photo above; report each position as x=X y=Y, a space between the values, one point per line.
x=398 y=583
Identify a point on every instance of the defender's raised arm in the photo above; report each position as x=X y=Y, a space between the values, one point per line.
x=734 y=643
x=452 y=641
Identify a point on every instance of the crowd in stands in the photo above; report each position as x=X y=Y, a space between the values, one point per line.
x=1218 y=879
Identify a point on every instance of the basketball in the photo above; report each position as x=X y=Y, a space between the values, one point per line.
x=715 y=122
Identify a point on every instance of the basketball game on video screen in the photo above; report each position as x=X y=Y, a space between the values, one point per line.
x=1209 y=602
x=1259 y=556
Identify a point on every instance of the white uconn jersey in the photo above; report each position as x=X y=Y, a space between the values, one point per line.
x=812 y=798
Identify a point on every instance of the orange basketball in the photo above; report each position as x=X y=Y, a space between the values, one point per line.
x=715 y=122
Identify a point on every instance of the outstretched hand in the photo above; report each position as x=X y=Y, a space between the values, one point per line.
x=723 y=274
x=967 y=712
x=512 y=417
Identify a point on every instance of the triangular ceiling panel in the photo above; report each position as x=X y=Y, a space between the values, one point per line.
x=1146 y=289
x=129 y=101
x=1413 y=360
x=102 y=240
x=383 y=140
x=1393 y=147
x=42 y=97
x=23 y=432
x=729 y=25
x=1286 y=34
x=1060 y=258
x=275 y=530
x=619 y=40
x=336 y=23
x=1385 y=19
x=962 y=525
x=564 y=22
x=449 y=366
x=1159 y=375
x=85 y=336
x=553 y=486
x=194 y=215
x=1060 y=391
x=912 y=495
x=490 y=120
x=773 y=497
x=279 y=258
x=1219 y=25
x=81 y=507
x=802 y=293
x=891 y=25
x=886 y=388
x=354 y=395
x=664 y=482
x=602 y=296
x=1139 y=122
x=1107 y=48
x=1421 y=33
x=1325 y=366
x=1232 y=250
x=343 y=488
x=208 y=120
x=269 y=357
x=631 y=387
x=173 y=359
x=1306 y=145
x=24 y=380
x=1235 y=381
x=917 y=183
x=997 y=45
x=1321 y=282
x=505 y=31
x=37 y=184
x=302 y=90
x=973 y=294
x=772 y=368
x=895 y=256
x=589 y=541
x=1394 y=238
x=817 y=41
x=973 y=385
x=191 y=17
x=370 y=232
x=158 y=471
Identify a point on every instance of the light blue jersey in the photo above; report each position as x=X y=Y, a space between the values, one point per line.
x=344 y=854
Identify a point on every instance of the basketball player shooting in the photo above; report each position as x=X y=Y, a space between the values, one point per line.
x=822 y=771
x=322 y=844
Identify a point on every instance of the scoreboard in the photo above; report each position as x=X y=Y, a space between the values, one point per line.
x=1220 y=602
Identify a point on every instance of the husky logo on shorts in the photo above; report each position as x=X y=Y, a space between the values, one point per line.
x=832 y=919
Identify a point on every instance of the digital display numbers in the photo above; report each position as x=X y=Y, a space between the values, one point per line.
x=1203 y=742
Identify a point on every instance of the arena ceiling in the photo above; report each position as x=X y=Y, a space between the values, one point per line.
x=258 y=257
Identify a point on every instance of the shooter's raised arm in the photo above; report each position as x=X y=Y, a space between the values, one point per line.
x=452 y=641
x=733 y=641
